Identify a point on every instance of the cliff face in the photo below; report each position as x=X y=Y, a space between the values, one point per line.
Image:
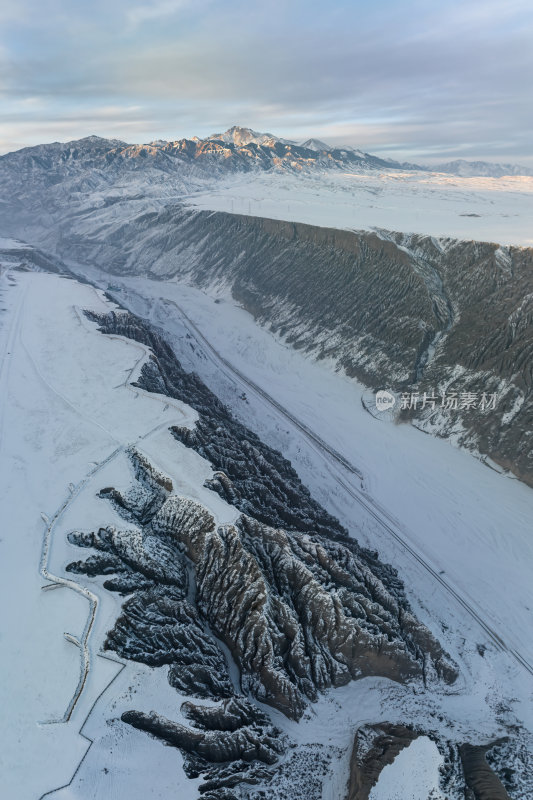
x=480 y=778
x=375 y=746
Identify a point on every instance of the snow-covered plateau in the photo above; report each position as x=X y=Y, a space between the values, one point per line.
x=437 y=204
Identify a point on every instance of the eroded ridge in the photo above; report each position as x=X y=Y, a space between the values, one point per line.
x=227 y=745
x=299 y=614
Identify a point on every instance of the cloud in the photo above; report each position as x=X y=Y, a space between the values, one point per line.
x=413 y=77
x=156 y=10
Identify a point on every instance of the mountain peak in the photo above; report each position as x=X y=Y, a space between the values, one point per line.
x=243 y=136
x=315 y=144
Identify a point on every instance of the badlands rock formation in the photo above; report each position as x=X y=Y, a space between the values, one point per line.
x=299 y=606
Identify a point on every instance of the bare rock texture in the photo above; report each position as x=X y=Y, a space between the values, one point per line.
x=299 y=615
x=158 y=627
x=228 y=745
x=481 y=780
x=374 y=747
x=302 y=607
x=254 y=477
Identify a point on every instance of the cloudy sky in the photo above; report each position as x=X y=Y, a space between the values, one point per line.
x=415 y=79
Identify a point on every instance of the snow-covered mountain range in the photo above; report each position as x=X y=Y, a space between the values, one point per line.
x=245 y=172
x=238 y=149
x=484 y=169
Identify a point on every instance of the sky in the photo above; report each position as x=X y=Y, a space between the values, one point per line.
x=423 y=80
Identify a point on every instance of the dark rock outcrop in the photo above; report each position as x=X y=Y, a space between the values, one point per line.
x=228 y=745
x=158 y=627
x=298 y=613
x=249 y=474
x=374 y=747
x=465 y=773
x=300 y=605
x=481 y=780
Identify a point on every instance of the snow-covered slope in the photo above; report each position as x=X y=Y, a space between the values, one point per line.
x=199 y=587
x=315 y=144
x=341 y=188
x=63 y=428
x=414 y=313
x=242 y=136
x=246 y=172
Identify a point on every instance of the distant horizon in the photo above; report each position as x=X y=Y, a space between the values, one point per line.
x=382 y=153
